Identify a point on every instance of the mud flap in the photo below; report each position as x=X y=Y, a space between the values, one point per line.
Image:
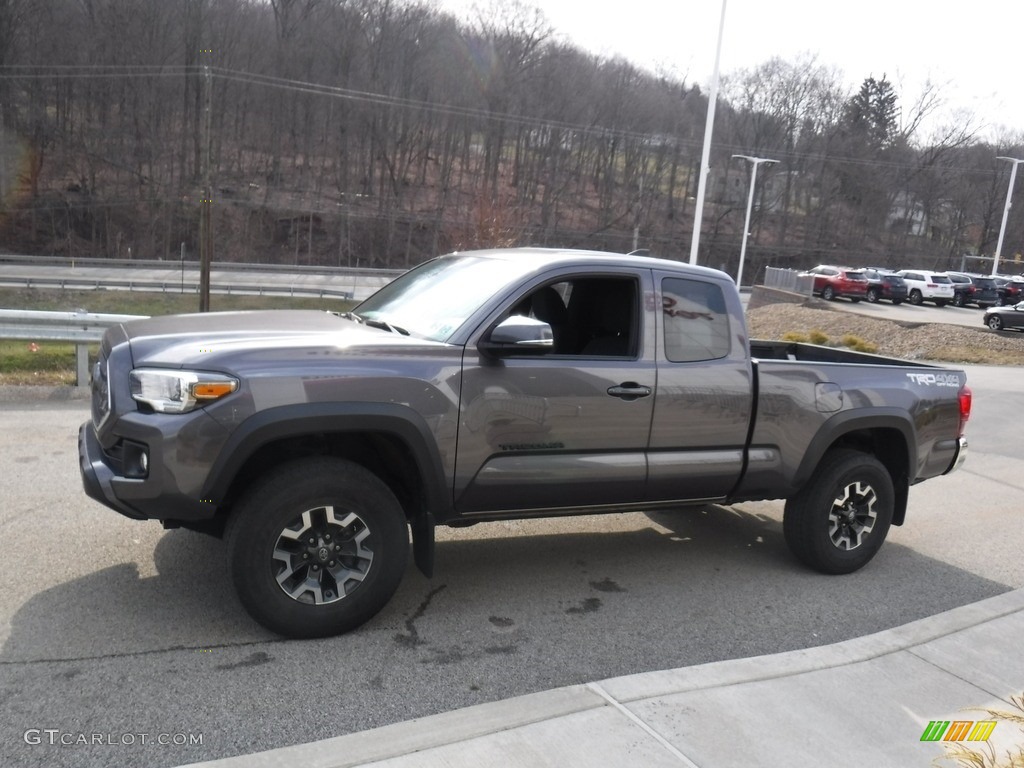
x=423 y=543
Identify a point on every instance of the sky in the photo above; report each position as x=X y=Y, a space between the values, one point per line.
x=974 y=51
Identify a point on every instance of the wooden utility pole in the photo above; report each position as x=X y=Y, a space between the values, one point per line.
x=206 y=204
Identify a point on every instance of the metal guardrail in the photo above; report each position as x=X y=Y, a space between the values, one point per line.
x=788 y=280
x=64 y=262
x=81 y=328
x=175 y=286
x=181 y=276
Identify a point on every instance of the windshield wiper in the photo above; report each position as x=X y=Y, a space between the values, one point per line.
x=373 y=322
x=385 y=325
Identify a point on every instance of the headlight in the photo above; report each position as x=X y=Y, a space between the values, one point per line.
x=169 y=391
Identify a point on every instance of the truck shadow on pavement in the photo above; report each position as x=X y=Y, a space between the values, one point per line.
x=513 y=608
x=718 y=582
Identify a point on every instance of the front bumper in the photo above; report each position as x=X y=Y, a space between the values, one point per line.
x=155 y=497
x=97 y=473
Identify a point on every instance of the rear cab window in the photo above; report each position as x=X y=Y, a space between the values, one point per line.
x=696 y=320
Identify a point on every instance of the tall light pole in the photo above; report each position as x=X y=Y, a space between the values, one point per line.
x=754 y=162
x=1006 y=210
x=709 y=127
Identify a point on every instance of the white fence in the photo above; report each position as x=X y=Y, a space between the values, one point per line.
x=788 y=280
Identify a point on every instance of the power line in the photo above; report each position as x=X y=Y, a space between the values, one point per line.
x=87 y=71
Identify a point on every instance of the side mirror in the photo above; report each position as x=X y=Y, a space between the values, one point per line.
x=517 y=335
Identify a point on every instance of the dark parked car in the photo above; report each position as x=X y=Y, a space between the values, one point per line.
x=883 y=284
x=973 y=289
x=998 y=318
x=831 y=282
x=1009 y=288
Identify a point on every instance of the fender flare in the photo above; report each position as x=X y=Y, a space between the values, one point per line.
x=847 y=422
x=303 y=419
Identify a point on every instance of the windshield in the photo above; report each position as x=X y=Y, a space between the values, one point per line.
x=434 y=299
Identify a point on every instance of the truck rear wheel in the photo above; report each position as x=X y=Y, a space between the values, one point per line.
x=839 y=520
x=317 y=547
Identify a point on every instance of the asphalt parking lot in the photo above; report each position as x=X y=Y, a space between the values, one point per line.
x=924 y=313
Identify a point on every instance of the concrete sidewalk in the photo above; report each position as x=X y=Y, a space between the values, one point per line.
x=861 y=702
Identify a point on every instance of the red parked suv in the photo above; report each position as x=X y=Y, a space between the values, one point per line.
x=831 y=282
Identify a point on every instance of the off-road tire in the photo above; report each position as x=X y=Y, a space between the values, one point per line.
x=317 y=547
x=838 y=521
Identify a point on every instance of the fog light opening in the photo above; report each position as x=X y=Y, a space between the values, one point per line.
x=136 y=461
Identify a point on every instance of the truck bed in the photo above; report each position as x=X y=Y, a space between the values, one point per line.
x=764 y=349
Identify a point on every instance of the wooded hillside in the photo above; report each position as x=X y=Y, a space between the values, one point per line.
x=379 y=133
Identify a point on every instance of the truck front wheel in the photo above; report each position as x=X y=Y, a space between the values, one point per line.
x=317 y=547
x=838 y=521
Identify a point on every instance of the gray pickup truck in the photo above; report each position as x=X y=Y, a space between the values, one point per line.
x=490 y=385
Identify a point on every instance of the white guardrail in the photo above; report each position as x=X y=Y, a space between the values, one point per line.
x=82 y=328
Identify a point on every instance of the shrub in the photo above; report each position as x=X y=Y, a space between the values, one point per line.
x=858 y=344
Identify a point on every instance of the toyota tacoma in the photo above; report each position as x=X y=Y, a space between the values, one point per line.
x=514 y=383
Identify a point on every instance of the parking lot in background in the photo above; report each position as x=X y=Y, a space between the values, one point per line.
x=908 y=313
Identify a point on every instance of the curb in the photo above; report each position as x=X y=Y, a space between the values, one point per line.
x=720 y=674
x=18 y=393
x=406 y=738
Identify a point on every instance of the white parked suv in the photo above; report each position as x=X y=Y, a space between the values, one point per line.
x=924 y=285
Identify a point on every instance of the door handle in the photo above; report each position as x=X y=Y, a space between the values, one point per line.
x=629 y=390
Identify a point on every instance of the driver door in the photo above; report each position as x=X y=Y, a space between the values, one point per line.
x=544 y=432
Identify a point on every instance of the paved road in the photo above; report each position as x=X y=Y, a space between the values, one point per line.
x=172 y=279
x=118 y=629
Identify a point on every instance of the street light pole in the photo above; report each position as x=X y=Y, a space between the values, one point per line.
x=754 y=162
x=705 y=157
x=1006 y=210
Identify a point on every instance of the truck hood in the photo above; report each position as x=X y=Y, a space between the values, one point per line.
x=207 y=339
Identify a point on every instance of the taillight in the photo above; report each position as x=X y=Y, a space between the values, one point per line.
x=965 y=398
